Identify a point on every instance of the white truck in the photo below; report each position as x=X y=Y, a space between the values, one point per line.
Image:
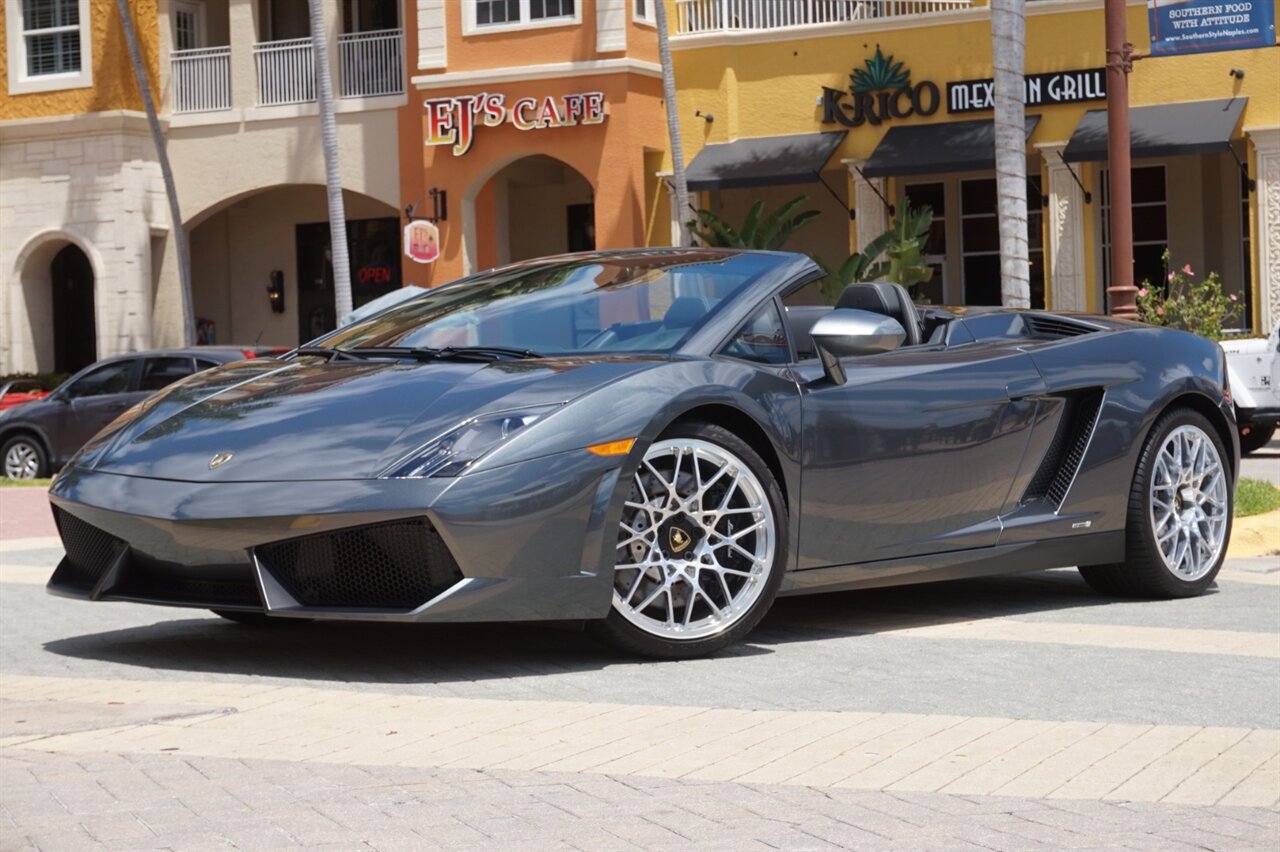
x=1253 y=370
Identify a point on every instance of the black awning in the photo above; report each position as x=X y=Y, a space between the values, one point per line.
x=1163 y=130
x=763 y=161
x=930 y=149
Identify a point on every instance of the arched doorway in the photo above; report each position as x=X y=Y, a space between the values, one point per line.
x=537 y=206
x=261 y=263
x=75 y=327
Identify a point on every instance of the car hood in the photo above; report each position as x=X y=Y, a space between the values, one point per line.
x=310 y=420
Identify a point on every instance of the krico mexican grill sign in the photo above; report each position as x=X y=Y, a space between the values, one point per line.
x=882 y=90
x=453 y=121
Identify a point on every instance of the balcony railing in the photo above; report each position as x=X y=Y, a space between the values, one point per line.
x=286 y=71
x=372 y=63
x=708 y=16
x=202 y=79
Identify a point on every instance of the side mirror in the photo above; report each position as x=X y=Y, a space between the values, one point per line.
x=846 y=331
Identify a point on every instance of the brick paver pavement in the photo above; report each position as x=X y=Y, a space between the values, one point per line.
x=1019 y=713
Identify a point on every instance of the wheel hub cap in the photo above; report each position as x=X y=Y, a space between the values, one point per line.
x=696 y=541
x=1189 y=503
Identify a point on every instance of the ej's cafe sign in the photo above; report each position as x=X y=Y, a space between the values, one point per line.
x=453 y=121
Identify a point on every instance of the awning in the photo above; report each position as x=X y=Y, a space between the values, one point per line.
x=1163 y=130
x=763 y=161
x=930 y=149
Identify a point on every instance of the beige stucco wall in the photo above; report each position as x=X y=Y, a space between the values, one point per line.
x=234 y=250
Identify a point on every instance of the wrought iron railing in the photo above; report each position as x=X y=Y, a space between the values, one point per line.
x=201 y=79
x=286 y=71
x=708 y=16
x=372 y=63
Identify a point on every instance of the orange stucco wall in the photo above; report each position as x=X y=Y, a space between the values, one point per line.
x=611 y=156
x=540 y=46
x=113 y=84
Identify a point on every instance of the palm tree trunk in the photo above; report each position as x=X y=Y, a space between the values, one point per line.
x=673 y=120
x=1008 y=48
x=166 y=172
x=332 y=174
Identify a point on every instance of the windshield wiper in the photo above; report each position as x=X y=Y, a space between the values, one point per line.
x=446 y=353
x=328 y=352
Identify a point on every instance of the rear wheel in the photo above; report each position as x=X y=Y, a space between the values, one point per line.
x=1255 y=436
x=24 y=458
x=701 y=547
x=1179 y=519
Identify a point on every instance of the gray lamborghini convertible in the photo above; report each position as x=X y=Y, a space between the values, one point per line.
x=658 y=443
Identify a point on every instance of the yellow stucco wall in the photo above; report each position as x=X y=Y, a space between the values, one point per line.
x=766 y=86
x=113 y=84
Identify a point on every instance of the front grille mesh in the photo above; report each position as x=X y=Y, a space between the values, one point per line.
x=398 y=565
x=90 y=551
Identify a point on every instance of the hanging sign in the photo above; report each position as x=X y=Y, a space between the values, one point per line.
x=1195 y=26
x=1056 y=87
x=421 y=241
x=453 y=121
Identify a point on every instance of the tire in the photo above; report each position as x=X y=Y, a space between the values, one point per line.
x=678 y=565
x=257 y=619
x=1258 y=436
x=24 y=458
x=1192 y=519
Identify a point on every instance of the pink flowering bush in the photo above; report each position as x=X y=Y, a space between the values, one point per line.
x=1200 y=307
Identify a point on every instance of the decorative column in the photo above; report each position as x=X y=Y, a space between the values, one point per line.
x=1266 y=150
x=243 y=35
x=1066 y=222
x=872 y=215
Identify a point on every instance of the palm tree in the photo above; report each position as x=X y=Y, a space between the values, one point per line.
x=673 y=120
x=166 y=171
x=1008 y=48
x=332 y=174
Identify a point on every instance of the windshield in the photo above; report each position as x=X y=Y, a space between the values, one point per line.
x=641 y=302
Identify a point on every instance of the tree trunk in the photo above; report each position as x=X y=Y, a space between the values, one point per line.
x=673 y=121
x=332 y=174
x=166 y=172
x=1008 y=46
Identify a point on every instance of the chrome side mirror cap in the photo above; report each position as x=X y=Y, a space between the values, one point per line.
x=846 y=331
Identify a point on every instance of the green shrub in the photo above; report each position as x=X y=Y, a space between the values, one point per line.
x=1200 y=307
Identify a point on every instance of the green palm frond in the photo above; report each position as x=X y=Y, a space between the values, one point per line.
x=881 y=73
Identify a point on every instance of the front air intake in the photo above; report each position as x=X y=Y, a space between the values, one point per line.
x=398 y=565
x=90 y=552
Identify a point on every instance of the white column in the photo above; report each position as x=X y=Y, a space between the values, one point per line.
x=1266 y=148
x=243 y=35
x=871 y=217
x=1066 y=222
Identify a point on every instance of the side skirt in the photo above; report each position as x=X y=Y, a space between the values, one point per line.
x=1092 y=549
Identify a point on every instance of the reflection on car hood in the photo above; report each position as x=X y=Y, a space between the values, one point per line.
x=309 y=420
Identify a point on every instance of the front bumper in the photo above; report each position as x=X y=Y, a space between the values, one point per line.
x=518 y=543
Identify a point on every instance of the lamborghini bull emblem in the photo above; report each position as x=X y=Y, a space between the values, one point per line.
x=678 y=539
x=219 y=460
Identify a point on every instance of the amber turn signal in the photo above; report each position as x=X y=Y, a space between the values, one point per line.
x=613 y=448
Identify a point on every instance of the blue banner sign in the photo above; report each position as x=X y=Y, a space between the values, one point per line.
x=1199 y=26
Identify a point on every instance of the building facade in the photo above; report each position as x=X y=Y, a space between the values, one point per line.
x=86 y=238
x=858 y=105
x=534 y=127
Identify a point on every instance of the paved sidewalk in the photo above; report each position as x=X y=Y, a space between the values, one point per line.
x=25 y=513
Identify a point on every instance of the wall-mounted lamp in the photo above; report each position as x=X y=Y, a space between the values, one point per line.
x=275 y=291
x=705 y=116
x=1238 y=73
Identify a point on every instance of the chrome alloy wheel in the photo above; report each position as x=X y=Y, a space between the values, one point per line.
x=21 y=461
x=696 y=542
x=1189 y=503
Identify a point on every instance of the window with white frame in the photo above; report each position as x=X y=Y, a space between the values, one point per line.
x=48 y=42
x=488 y=15
x=643 y=11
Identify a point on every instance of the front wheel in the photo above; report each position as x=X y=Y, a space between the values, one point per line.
x=1179 y=517
x=24 y=458
x=701 y=547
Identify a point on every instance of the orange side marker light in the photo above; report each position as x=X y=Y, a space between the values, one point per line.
x=613 y=448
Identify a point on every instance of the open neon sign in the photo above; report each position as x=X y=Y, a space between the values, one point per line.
x=453 y=121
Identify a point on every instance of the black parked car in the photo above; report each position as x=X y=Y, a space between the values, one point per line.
x=37 y=438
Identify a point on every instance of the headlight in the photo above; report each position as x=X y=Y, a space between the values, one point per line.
x=459 y=448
